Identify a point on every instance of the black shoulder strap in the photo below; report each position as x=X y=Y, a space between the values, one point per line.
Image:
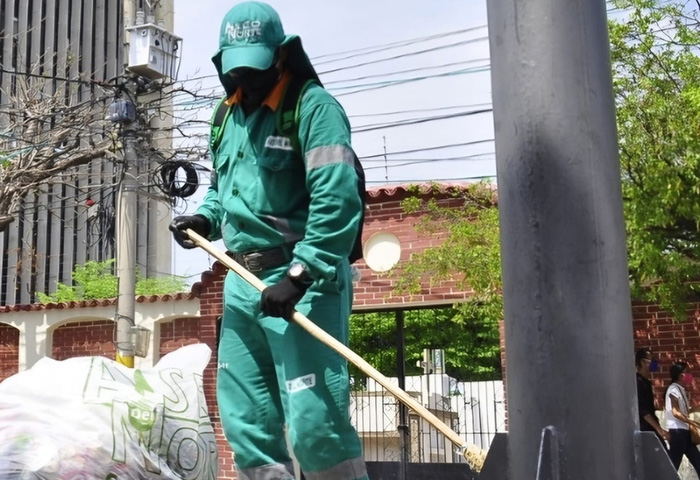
x=217 y=124
x=220 y=115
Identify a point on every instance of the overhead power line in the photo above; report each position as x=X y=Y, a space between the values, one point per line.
x=427 y=149
x=411 y=70
x=415 y=121
x=453 y=179
x=365 y=50
x=390 y=46
x=380 y=85
x=418 y=110
x=475 y=158
x=408 y=54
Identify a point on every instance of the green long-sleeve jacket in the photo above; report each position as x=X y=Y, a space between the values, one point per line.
x=263 y=195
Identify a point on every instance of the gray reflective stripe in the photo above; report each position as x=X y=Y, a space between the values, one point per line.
x=282 y=225
x=276 y=471
x=353 y=469
x=320 y=156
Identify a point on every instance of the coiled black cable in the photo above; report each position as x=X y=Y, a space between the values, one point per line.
x=169 y=183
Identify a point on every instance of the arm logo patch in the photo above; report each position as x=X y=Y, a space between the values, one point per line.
x=301 y=383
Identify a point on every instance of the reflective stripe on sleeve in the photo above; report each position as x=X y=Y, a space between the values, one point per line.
x=321 y=156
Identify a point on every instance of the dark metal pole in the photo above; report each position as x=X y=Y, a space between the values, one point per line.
x=403 y=413
x=568 y=325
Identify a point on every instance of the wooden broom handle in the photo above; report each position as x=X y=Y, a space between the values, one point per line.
x=321 y=335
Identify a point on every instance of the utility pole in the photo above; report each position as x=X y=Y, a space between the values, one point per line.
x=126 y=226
x=150 y=53
x=572 y=407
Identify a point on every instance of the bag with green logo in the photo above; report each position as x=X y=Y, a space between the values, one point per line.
x=91 y=418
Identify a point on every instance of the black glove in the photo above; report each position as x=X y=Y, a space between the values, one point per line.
x=279 y=300
x=198 y=223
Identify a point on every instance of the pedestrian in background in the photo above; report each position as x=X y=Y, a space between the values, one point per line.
x=678 y=420
x=648 y=422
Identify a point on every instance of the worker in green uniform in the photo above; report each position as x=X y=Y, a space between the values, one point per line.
x=287 y=207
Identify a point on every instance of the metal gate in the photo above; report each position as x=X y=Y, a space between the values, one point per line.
x=413 y=349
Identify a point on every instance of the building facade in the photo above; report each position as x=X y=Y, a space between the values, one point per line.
x=72 y=47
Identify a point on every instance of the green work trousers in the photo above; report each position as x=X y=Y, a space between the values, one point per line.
x=273 y=374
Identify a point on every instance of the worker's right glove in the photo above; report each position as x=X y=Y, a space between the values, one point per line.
x=179 y=226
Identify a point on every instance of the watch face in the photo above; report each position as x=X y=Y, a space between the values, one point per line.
x=296 y=270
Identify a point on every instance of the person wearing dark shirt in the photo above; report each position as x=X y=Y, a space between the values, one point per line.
x=648 y=422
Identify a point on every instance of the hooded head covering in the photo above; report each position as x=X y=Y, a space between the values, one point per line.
x=250 y=34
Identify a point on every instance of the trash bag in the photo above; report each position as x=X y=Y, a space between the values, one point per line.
x=91 y=418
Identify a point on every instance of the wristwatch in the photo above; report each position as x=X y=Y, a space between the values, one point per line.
x=298 y=273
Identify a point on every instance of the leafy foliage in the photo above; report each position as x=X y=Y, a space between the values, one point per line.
x=657 y=92
x=468 y=332
x=95 y=280
x=471 y=344
x=656 y=76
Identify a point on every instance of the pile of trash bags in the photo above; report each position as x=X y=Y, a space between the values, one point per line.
x=91 y=418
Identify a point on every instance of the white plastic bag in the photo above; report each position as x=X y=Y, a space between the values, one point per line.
x=91 y=418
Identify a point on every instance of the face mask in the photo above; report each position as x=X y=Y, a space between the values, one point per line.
x=687 y=378
x=256 y=84
x=654 y=366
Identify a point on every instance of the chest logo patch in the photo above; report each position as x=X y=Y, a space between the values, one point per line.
x=278 y=143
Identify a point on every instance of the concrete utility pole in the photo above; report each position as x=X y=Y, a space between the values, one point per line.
x=126 y=228
x=150 y=56
x=572 y=407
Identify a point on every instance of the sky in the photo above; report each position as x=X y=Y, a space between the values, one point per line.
x=424 y=63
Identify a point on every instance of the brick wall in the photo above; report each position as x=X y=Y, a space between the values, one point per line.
x=84 y=338
x=210 y=292
x=9 y=351
x=385 y=213
x=670 y=341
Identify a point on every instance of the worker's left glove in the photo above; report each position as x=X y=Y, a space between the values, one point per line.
x=279 y=300
x=179 y=226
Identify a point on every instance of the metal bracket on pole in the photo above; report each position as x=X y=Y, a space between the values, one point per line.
x=548 y=463
x=496 y=464
x=651 y=460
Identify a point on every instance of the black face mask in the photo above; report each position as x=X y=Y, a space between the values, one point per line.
x=255 y=84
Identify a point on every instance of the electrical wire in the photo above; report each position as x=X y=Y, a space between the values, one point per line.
x=390 y=46
x=427 y=149
x=416 y=121
x=411 y=70
x=418 y=110
x=412 y=162
x=454 y=179
x=405 y=55
x=366 y=50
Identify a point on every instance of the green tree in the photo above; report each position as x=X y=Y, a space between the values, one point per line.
x=656 y=78
x=96 y=280
x=656 y=72
x=468 y=332
x=471 y=344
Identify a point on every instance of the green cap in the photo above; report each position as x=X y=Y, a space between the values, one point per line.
x=250 y=33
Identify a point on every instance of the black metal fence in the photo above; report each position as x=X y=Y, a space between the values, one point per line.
x=451 y=368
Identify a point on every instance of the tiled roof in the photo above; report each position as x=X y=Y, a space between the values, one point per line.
x=399 y=191
x=106 y=302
